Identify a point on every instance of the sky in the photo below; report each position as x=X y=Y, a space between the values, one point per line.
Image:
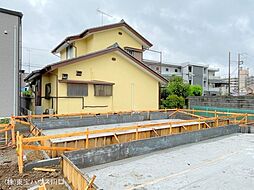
x=197 y=31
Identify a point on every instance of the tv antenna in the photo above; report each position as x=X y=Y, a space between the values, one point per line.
x=103 y=14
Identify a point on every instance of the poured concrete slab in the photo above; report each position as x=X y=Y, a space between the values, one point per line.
x=221 y=163
x=95 y=127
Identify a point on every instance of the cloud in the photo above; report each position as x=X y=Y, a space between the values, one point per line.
x=196 y=31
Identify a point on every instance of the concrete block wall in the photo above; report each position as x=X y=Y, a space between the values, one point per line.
x=240 y=102
x=96 y=156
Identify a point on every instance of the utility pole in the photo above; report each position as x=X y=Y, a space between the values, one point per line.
x=29 y=60
x=229 y=76
x=239 y=62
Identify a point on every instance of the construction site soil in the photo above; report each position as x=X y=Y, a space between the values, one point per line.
x=11 y=179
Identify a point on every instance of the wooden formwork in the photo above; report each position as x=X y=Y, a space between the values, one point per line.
x=77 y=179
x=103 y=137
x=131 y=135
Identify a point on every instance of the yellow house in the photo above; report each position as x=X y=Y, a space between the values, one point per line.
x=101 y=70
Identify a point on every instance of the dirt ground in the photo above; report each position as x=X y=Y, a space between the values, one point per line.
x=11 y=179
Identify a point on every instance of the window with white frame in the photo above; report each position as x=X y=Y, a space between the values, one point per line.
x=69 y=52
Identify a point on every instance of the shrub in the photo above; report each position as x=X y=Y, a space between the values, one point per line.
x=195 y=90
x=4 y=121
x=173 y=101
x=27 y=93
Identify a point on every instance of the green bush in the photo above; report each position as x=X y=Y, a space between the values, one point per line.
x=27 y=93
x=195 y=90
x=177 y=87
x=173 y=101
x=4 y=121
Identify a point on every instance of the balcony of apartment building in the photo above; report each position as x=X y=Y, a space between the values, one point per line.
x=166 y=70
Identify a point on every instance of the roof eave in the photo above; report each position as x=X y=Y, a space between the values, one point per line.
x=84 y=33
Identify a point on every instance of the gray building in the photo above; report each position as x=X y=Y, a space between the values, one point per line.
x=192 y=73
x=10 y=61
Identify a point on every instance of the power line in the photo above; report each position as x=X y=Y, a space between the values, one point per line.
x=36 y=49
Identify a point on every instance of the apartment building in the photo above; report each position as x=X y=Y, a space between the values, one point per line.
x=242 y=86
x=192 y=73
x=10 y=61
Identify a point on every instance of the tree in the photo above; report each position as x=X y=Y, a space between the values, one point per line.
x=177 y=87
x=175 y=94
x=173 y=101
x=195 y=90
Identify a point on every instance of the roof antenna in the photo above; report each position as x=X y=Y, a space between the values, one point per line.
x=103 y=14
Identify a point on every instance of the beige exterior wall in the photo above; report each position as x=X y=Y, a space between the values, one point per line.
x=102 y=40
x=49 y=78
x=134 y=89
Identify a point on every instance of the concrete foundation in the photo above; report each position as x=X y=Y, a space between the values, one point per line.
x=73 y=122
x=219 y=163
x=42 y=163
x=96 y=156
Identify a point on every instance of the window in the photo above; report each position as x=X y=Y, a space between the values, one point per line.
x=157 y=68
x=120 y=33
x=47 y=91
x=79 y=73
x=189 y=81
x=64 y=76
x=77 y=89
x=166 y=69
x=130 y=51
x=69 y=52
x=103 y=90
x=190 y=68
x=176 y=70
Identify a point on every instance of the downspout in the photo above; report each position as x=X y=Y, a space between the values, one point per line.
x=56 y=91
x=15 y=70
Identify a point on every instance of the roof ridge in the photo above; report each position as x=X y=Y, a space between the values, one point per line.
x=104 y=27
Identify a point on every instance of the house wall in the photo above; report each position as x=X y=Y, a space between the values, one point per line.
x=133 y=90
x=49 y=78
x=10 y=63
x=102 y=40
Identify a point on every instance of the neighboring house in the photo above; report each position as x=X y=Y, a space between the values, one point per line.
x=192 y=73
x=100 y=71
x=23 y=85
x=10 y=61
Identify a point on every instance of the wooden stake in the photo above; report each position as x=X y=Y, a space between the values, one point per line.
x=155 y=132
x=44 y=169
x=137 y=133
x=116 y=138
x=13 y=131
x=87 y=137
x=90 y=184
